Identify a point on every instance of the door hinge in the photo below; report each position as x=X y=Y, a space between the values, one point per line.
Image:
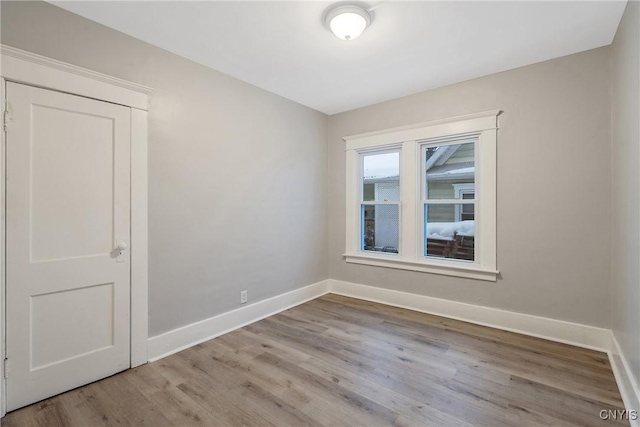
x=5 y=369
x=5 y=119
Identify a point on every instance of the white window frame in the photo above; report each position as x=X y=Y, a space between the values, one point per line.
x=410 y=140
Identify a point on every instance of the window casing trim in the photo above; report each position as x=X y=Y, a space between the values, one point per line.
x=459 y=126
x=466 y=270
x=482 y=127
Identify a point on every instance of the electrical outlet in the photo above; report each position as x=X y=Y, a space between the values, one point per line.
x=243 y=297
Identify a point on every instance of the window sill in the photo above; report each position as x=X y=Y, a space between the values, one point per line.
x=469 y=271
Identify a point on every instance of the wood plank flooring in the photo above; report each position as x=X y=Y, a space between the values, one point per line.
x=339 y=361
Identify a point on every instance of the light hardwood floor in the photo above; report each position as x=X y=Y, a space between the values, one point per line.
x=338 y=361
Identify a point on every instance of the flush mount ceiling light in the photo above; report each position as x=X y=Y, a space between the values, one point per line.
x=347 y=21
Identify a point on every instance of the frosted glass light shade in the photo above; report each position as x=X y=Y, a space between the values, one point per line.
x=348 y=22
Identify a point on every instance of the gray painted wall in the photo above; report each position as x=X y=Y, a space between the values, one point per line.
x=237 y=175
x=625 y=127
x=554 y=183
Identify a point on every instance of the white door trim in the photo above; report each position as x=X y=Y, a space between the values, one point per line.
x=139 y=239
x=24 y=67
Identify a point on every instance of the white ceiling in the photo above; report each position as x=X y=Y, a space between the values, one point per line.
x=284 y=48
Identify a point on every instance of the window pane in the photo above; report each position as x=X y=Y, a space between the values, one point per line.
x=465 y=213
x=448 y=166
x=381 y=177
x=467 y=195
x=380 y=228
x=447 y=237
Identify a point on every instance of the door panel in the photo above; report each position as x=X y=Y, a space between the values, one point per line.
x=81 y=195
x=85 y=331
x=68 y=207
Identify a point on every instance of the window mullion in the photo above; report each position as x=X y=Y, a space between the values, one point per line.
x=409 y=196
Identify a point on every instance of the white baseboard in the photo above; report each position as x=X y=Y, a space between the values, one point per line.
x=627 y=382
x=542 y=327
x=555 y=330
x=187 y=336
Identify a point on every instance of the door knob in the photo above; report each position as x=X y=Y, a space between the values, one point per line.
x=120 y=247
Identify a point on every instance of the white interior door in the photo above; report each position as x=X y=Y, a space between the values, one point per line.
x=68 y=209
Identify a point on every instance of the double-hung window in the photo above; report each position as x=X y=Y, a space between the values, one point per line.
x=448 y=211
x=380 y=201
x=423 y=197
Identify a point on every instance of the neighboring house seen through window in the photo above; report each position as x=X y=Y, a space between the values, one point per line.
x=416 y=201
x=449 y=171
